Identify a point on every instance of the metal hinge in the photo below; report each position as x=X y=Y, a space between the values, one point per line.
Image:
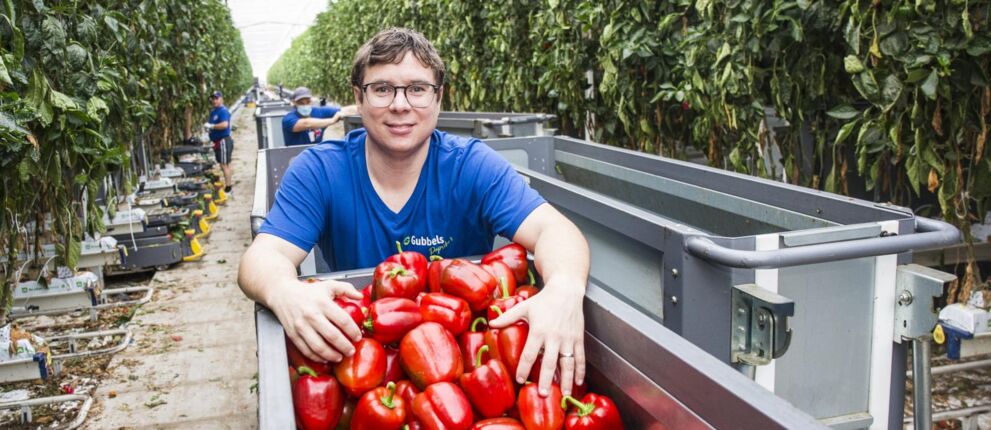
x=760 y=325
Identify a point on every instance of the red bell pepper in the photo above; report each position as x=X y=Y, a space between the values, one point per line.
x=363 y=370
x=366 y=295
x=393 y=371
x=408 y=392
x=507 y=344
x=389 y=319
x=391 y=279
x=504 y=301
x=505 y=279
x=434 y=272
x=503 y=423
x=345 y=422
x=412 y=261
x=470 y=342
x=529 y=290
x=380 y=409
x=353 y=310
x=472 y=283
x=593 y=412
x=429 y=355
x=317 y=400
x=514 y=256
x=443 y=406
x=489 y=387
x=447 y=310
x=541 y=413
x=293 y=376
x=297 y=360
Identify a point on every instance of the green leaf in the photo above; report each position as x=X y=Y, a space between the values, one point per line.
x=61 y=100
x=96 y=108
x=852 y=64
x=844 y=112
x=852 y=35
x=892 y=90
x=4 y=76
x=845 y=132
x=8 y=123
x=73 y=252
x=804 y=4
x=929 y=86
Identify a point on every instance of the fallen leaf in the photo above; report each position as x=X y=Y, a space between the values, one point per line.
x=112 y=394
x=176 y=338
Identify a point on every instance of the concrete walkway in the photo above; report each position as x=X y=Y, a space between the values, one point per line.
x=193 y=363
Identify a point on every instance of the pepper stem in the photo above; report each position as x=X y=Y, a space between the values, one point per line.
x=399 y=247
x=436 y=258
x=478 y=355
x=504 y=286
x=397 y=271
x=368 y=325
x=533 y=281
x=474 y=324
x=387 y=399
x=303 y=370
x=496 y=310
x=583 y=408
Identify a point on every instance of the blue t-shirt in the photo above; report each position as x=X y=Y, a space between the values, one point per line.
x=465 y=195
x=217 y=116
x=303 y=137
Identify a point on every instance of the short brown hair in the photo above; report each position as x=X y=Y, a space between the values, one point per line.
x=390 y=46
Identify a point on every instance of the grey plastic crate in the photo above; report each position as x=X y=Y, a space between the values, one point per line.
x=655 y=377
x=671 y=239
x=268 y=124
x=484 y=125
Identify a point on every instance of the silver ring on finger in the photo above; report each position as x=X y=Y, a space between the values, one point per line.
x=568 y=355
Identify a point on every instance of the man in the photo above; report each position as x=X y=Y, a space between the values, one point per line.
x=400 y=178
x=219 y=128
x=305 y=123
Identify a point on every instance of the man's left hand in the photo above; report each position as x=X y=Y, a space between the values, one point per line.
x=557 y=326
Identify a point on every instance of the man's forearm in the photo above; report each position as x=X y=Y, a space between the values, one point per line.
x=562 y=252
x=261 y=271
x=311 y=123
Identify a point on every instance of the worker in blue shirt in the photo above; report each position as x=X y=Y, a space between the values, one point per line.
x=305 y=123
x=399 y=179
x=219 y=128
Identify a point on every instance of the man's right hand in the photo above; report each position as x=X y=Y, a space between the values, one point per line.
x=321 y=330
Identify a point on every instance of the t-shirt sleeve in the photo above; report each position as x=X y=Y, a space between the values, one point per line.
x=300 y=206
x=504 y=199
x=223 y=115
x=325 y=111
x=288 y=122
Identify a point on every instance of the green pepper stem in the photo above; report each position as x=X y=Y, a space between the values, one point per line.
x=303 y=370
x=505 y=287
x=583 y=408
x=399 y=247
x=436 y=258
x=474 y=324
x=496 y=310
x=478 y=355
x=387 y=399
x=368 y=324
x=400 y=270
x=533 y=281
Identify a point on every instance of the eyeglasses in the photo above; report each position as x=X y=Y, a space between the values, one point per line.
x=380 y=94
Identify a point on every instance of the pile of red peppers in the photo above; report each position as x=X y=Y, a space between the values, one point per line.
x=425 y=361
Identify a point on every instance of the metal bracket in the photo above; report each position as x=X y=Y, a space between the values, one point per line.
x=760 y=325
x=916 y=287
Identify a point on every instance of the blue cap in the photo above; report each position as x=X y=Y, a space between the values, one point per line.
x=216 y=95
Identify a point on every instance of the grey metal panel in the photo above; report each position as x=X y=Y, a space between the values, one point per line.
x=275 y=411
x=831 y=340
x=260 y=205
x=820 y=204
x=716 y=212
x=278 y=160
x=482 y=125
x=540 y=153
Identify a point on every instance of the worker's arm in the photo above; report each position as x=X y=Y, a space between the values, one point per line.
x=555 y=316
x=314 y=123
x=318 y=327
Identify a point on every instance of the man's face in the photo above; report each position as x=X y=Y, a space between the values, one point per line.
x=216 y=101
x=399 y=128
x=303 y=102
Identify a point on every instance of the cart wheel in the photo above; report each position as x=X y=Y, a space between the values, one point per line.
x=162 y=267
